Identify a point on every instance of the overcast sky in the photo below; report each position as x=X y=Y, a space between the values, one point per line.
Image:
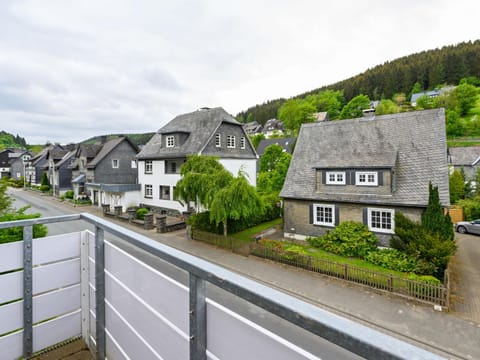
x=72 y=69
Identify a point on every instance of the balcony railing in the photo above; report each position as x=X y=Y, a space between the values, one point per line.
x=80 y=285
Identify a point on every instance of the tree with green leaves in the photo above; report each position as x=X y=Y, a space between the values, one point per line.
x=330 y=101
x=273 y=168
x=296 y=112
x=255 y=139
x=355 y=107
x=238 y=200
x=465 y=96
x=456 y=182
x=386 y=107
x=433 y=218
x=202 y=177
x=417 y=88
x=5 y=200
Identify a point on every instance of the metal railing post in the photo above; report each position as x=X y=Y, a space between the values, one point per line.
x=100 y=293
x=27 y=292
x=198 y=319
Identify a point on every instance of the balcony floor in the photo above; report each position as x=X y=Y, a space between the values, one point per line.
x=76 y=350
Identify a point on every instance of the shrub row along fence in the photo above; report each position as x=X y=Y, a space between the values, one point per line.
x=430 y=293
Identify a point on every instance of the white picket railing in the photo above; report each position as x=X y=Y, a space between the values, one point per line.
x=145 y=314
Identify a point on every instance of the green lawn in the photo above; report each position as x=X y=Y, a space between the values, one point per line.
x=249 y=234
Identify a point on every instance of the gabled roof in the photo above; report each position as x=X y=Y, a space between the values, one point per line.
x=67 y=157
x=464 y=156
x=412 y=143
x=88 y=150
x=199 y=126
x=108 y=147
x=285 y=143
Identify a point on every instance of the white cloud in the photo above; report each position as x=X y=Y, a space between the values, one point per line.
x=72 y=69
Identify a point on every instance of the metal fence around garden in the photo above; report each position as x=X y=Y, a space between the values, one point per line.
x=235 y=245
x=414 y=289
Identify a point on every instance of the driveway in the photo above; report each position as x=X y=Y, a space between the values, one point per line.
x=465 y=278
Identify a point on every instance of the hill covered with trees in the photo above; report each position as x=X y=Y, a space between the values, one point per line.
x=9 y=140
x=429 y=69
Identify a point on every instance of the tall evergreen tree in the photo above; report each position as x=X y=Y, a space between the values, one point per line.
x=433 y=218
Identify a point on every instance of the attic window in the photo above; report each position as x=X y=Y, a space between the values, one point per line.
x=218 y=140
x=366 y=178
x=335 y=178
x=170 y=141
x=242 y=143
x=115 y=163
x=231 y=141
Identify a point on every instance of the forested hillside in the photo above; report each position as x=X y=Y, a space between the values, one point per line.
x=9 y=140
x=137 y=139
x=431 y=68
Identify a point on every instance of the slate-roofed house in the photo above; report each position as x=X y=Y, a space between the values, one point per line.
x=286 y=144
x=365 y=170
x=273 y=127
x=39 y=165
x=107 y=173
x=252 y=128
x=5 y=161
x=59 y=162
x=211 y=132
x=466 y=158
x=19 y=165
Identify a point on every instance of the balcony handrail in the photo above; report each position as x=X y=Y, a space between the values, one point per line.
x=354 y=337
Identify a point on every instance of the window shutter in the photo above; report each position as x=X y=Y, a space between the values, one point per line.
x=311 y=214
x=365 y=216
x=380 y=178
x=337 y=215
x=352 y=177
x=324 y=176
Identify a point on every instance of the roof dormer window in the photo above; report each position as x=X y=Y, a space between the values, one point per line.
x=231 y=141
x=170 y=141
x=218 y=140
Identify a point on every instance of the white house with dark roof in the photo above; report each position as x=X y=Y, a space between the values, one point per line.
x=211 y=132
x=365 y=170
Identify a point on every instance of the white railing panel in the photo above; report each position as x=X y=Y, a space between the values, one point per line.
x=11 y=286
x=45 y=307
x=251 y=341
x=113 y=349
x=163 y=336
x=121 y=333
x=93 y=330
x=91 y=273
x=56 y=303
x=54 y=276
x=11 y=317
x=57 y=330
x=11 y=256
x=147 y=283
x=12 y=346
x=56 y=248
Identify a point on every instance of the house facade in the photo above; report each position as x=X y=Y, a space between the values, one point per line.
x=466 y=159
x=107 y=173
x=19 y=165
x=59 y=162
x=365 y=170
x=211 y=132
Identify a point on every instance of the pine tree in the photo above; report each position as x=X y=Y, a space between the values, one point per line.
x=433 y=218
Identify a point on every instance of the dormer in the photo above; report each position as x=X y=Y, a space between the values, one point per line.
x=174 y=139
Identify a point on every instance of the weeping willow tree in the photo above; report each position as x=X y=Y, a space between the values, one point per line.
x=238 y=200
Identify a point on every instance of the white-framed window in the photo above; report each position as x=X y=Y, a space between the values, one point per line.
x=115 y=163
x=170 y=141
x=164 y=192
x=324 y=214
x=335 y=177
x=218 y=140
x=148 y=191
x=231 y=141
x=369 y=178
x=242 y=143
x=381 y=220
x=148 y=166
x=134 y=164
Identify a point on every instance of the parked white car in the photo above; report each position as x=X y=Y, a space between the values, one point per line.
x=470 y=227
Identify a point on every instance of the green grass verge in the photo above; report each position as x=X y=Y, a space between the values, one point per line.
x=249 y=234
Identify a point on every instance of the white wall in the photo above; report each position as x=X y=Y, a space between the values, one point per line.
x=249 y=166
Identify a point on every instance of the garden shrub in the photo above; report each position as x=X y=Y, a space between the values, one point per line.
x=392 y=259
x=141 y=213
x=69 y=194
x=471 y=207
x=16 y=233
x=350 y=238
x=44 y=188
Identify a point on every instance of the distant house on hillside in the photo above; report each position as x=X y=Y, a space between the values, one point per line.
x=431 y=94
x=273 y=127
x=107 y=173
x=211 y=132
x=253 y=128
x=466 y=158
x=365 y=170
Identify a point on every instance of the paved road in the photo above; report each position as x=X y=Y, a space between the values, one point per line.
x=439 y=332
x=465 y=269
x=49 y=206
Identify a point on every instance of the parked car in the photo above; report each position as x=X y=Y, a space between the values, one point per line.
x=470 y=227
